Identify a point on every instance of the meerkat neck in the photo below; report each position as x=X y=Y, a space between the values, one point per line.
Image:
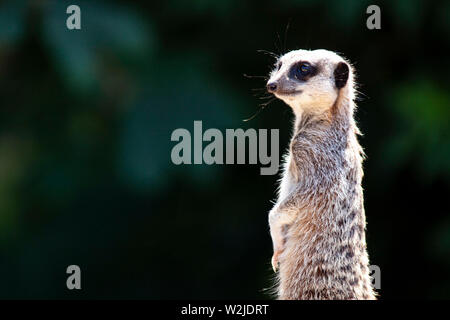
x=340 y=116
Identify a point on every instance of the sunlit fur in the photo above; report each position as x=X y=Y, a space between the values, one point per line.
x=318 y=222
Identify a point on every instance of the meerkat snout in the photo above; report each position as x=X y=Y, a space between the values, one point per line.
x=272 y=87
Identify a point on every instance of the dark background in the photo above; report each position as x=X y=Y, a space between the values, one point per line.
x=85 y=124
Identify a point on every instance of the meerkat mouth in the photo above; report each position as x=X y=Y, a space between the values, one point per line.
x=288 y=93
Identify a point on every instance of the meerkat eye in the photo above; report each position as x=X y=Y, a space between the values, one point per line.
x=304 y=69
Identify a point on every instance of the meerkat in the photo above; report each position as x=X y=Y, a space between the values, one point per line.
x=318 y=223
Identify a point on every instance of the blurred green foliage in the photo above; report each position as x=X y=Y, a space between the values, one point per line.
x=85 y=124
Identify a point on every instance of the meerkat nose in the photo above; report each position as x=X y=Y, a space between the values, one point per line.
x=272 y=87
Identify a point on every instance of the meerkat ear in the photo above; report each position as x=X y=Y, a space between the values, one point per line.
x=341 y=74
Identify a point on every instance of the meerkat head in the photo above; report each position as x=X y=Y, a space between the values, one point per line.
x=309 y=81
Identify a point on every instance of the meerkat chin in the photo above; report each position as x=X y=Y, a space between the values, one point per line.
x=318 y=222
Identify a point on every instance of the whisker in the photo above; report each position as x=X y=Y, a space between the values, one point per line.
x=265 y=104
x=286 y=33
x=262 y=94
x=360 y=96
x=280 y=43
x=251 y=77
x=262 y=106
x=272 y=54
x=262 y=97
x=253 y=116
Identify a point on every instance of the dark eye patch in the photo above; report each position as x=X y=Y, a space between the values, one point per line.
x=302 y=71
